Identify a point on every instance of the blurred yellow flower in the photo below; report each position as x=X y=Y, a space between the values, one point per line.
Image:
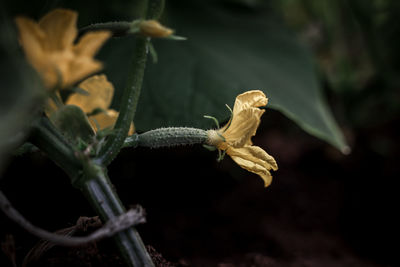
x=49 y=47
x=100 y=93
x=95 y=103
x=235 y=137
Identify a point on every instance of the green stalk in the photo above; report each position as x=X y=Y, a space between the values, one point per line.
x=92 y=180
x=49 y=140
x=123 y=28
x=155 y=9
x=118 y=28
x=132 y=90
x=90 y=176
x=96 y=186
x=128 y=104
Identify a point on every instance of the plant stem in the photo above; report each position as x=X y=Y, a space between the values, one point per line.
x=132 y=90
x=49 y=140
x=155 y=9
x=122 y=28
x=92 y=180
x=118 y=28
x=98 y=189
x=128 y=103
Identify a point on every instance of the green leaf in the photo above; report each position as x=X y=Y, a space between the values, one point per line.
x=73 y=123
x=21 y=92
x=230 y=51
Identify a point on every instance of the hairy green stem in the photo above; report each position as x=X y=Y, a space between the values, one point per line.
x=97 y=188
x=118 y=28
x=92 y=180
x=123 y=28
x=155 y=9
x=132 y=90
x=128 y=104
x=90 y=175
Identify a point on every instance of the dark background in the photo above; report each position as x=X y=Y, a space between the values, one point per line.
x=322 y=208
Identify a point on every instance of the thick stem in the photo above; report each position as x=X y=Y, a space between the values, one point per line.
x=130 y=97
x=155 y=9
x=98 y=189
x=93 y=182
x=49 y=140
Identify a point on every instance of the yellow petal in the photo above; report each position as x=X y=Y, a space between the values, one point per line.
x=83 y=63
x=100 y=95
x=60 y=28
x=107 y=119
x=242 y=127
x=254 y=159
x=31 y=38
x=91 y=42
x=80 y=68
x=131 y=129
x=245 y=119
x=249 y=99
x=104 y=120
x=49 y=46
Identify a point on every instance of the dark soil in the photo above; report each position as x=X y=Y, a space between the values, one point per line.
x=322 y=209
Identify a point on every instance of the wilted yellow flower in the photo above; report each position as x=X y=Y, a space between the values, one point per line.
x=96 y=102
x=49 y=47
x=235 y=137
x=153 y=28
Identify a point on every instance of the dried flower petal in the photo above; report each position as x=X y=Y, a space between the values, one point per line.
x=254 y=159
x=235 y=136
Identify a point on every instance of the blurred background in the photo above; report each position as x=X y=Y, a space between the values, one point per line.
x=323 y=208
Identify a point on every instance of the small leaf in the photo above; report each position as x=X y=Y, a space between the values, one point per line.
x=25 y=148
x=73 y=123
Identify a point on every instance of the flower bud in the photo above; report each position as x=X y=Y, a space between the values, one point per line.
x=153 y=28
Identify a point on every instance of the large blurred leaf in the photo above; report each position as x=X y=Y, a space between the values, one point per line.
x=19 y=91
x=229 y=51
